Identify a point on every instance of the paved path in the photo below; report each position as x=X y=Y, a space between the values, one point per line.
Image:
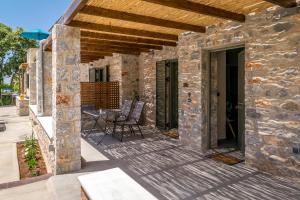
x=9 y=168
x=16 y=130
x=33 y=191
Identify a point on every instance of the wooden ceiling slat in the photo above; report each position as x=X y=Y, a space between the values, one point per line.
x=97 y=42
x=125 y=16
x=121 y=30
x=131 y=39
x=284 y=3
x=200 y=9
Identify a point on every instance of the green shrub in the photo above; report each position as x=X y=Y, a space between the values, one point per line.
x=31 y=149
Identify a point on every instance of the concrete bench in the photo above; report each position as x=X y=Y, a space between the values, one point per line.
x=110 y=185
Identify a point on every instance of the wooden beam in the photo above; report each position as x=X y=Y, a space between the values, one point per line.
x=124 y=31
x=112 y=37
x=125 y=16
x=95 y=53
x=109 y=48
x=200 y=9
x=283 y=3
x=72 y=11
x=97 y=42
x=110 y=51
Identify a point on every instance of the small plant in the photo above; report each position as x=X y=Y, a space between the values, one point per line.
x=31 y=147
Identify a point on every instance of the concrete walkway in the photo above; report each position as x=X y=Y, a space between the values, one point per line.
x=17 y=128
x=9 y=168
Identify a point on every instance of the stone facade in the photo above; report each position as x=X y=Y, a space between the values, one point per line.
x=271 y=41
x=22 y=106
x=66 y=98
x=147 y=79
x=31 y=60
x=47 y=93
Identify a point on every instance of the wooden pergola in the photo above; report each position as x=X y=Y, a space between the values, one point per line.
x=135 y=26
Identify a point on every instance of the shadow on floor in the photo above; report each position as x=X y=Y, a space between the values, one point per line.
x=170 y=170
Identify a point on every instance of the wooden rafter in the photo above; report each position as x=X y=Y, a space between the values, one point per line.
x=97 y=42
x=125 y=16
x=72 y=11
x=284 y=3
x=112 y=37
x=124 y=31
x=200 y=9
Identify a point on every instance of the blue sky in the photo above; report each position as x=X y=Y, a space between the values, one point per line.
x=32 y=14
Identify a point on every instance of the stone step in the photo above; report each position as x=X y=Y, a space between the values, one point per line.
x=64 y=187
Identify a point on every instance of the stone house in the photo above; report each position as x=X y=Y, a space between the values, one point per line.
x=221 y=73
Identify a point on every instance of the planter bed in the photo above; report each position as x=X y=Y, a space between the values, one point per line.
x=23 y=166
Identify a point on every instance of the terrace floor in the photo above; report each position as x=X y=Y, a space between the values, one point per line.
x=170 y=170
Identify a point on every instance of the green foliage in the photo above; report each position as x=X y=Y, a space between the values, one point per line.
x=13 y=50
x=6 y=86
x=31 y=148
x=5 y=100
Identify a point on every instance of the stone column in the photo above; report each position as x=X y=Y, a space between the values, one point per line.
x=31 y=55
x=47 y=97
x=66 y=98
x=39 y=80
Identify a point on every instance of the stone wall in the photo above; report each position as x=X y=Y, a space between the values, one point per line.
x=272 y=89
x=47 y=93
x=31 y=55
x=147 y=79
x=130 y=77
x=44 y=142
x=84 y=72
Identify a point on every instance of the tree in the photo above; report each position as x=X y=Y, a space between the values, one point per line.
x=13 y=50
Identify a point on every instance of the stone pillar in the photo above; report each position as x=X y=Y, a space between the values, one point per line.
x=39 y=80
x=66 y=98
x=47 y=97
x=31 y=60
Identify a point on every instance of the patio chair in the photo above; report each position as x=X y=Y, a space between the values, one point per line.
x=133 y=119
x=125 y=110
x=124 y=113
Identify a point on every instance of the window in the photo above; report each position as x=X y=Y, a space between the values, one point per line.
x=99 y=74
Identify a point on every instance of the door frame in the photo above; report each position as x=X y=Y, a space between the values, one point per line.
x=206 y=67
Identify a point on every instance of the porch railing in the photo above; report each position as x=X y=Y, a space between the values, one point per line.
x=100 y=94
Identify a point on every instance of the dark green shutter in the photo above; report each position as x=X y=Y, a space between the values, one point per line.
x=161 y=94
x=173 y=94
